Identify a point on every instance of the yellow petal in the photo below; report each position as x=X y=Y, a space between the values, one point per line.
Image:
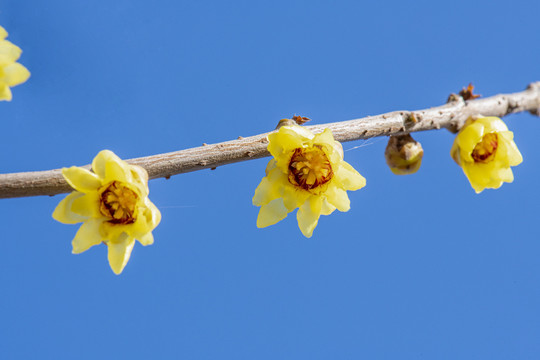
x=152 y=213
x=146 y=239
x=100 y=161
x=5 y=92
x=15 y=74
x=140 y=178
x=9 y=52
x=509 y=148
x=326 y=137
x=349 y=178
x=293 y=196
x=487 y=176
x=270 y=166
x=268 y=188
x=308 y=215
x=338 y=197
x=467 y=139
x=87 y=205
x=148 y=219
x=119 y=253
x=87 y=236
x=332 y=148
x=81 y=179
x=63 y=212
x=282 y=143
x=3 y=33
x=327 y=208
x=119 y=171
x=271 y=213
x=492 y=124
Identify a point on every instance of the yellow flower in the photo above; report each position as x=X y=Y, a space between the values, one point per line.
x=485 y=150
x=307 y=172
x=11 y=72
x=112 y=203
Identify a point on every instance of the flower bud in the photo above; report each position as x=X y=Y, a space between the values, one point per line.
x=403 y=154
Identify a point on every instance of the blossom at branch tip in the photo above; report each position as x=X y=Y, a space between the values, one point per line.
x=485 y=150
x=112 y=203
x=11 y=72
x=307 y=172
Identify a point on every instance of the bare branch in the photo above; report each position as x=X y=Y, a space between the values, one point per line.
x=451 y=116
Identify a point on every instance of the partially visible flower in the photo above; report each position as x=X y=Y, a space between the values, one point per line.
x=112 y=203
x=11 y=72
x=485 y=150
x=307 y=172
x=403 y=154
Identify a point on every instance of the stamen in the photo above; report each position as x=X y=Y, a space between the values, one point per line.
x=485 y=150
x=309 y=168
x=118 y=203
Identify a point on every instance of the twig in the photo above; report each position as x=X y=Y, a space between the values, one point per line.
x=451 y=116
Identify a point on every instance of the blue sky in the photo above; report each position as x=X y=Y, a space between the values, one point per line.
x=420 y=267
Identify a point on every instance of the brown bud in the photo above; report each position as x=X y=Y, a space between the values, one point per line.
x=403 y=154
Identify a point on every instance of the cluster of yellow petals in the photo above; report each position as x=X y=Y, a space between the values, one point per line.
x=485 y=150
x=307 y=172
x=11 y=72
x=112 y=203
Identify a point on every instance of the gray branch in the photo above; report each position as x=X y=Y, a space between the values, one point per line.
x=451 y=116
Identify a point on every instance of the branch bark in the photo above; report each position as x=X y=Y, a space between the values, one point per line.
x=451 y=116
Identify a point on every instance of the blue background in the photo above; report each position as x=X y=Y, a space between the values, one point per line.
x=420 y=267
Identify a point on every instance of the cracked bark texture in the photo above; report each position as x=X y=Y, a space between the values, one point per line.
x=209 y=156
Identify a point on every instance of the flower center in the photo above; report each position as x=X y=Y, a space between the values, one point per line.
x=309 y=168
x=485 y=150
x=118 y=202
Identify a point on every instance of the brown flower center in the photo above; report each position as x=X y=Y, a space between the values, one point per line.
x=309 y=168
x=118 y=203
x=485 y=150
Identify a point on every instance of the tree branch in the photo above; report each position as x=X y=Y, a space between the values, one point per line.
x=451 y=116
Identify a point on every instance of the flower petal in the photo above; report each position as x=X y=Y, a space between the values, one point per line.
x=271 y=213
x=467 y=139
x=293 y=197
x=119 y=253
x=268 y=188
x=308 y=215
x=87 y=236
x=148 y=219
x=81 y=179
x=487 y=176
x=5 y=92
x=349 y=178
x=146 y=239
x=492 y=124
x=100 y=161
x=63 y=212
x=118 y=171
x=87 y=205
x=140 y=178
x=338 y=197
x=9 y=52
x=332 y=148
x=283 y=142
x=327 y=208
x=15 y=74
x=3 y=33
x=509 y=148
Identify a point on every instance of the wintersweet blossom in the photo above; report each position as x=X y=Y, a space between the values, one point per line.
x=485 y=150
x=112 y=203
x=11 y=72
x=307 y=172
